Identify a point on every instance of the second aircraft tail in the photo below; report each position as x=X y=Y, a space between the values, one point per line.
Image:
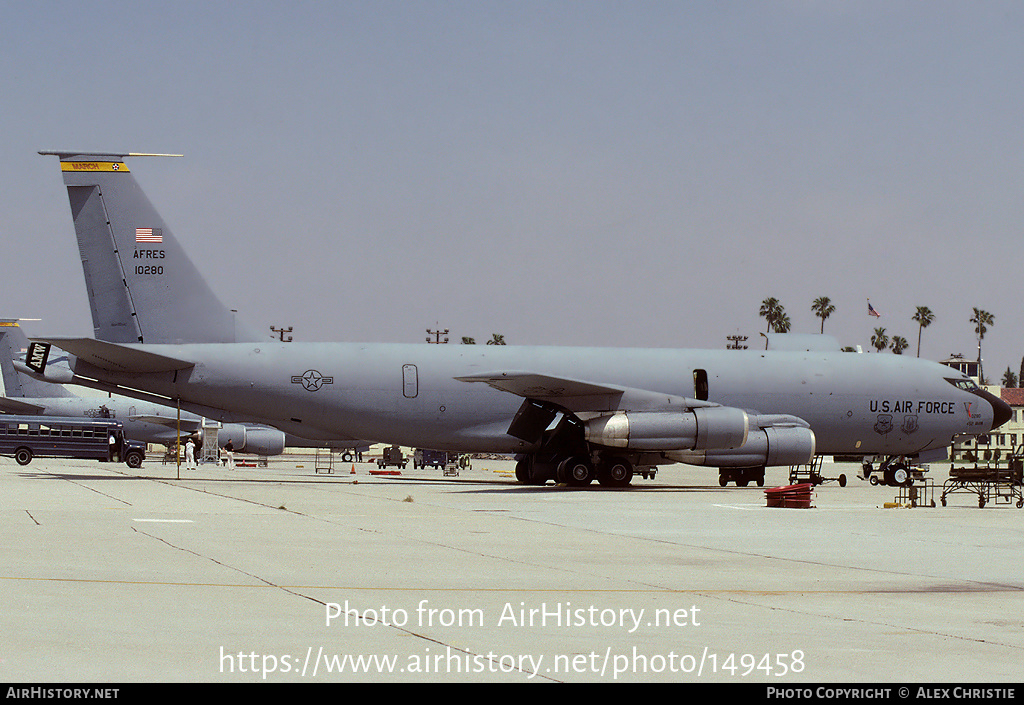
x=13 y=344
x=142 y=286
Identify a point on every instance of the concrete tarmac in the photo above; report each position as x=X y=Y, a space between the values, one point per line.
x=279 y=574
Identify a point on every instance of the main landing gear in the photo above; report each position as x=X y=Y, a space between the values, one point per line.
x=577 y=470
x=741 y=476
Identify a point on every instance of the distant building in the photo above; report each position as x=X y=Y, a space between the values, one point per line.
x=961 y=364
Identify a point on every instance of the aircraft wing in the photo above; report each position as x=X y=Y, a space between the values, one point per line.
x=545 y=395
x=581 y=396
x=188 y=425
x=570 y=394
x=636 y=418
x=111 y=356
x=15 y=406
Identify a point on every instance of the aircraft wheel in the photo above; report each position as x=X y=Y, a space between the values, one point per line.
x=23 y=456
x=616 y=472
x=523 y=471
x=899 y=475
x=575 y=471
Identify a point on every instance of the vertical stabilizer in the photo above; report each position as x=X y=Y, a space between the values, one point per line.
x=142 y=286
x=13 y=344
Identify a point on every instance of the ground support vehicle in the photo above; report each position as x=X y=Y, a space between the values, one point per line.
x=392 y=456
x=422 y=457
x=27 y=437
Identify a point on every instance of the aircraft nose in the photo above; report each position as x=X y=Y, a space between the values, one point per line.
x=1001 y=411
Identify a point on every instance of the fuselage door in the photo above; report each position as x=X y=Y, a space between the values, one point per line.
x=410 y=381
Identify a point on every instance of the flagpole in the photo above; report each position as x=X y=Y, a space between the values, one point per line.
x=872 y=312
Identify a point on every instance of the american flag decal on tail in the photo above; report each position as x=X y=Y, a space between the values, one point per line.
x=149 y=235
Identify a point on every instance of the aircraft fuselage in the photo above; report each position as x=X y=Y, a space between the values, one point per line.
x=408 y=394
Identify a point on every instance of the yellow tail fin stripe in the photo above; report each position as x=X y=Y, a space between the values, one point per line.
x=93 y=166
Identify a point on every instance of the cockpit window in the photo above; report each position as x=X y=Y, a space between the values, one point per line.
x=965 y=384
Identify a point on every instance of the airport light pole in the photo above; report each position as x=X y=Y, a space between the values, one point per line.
x=735 y=341
x=437 y=336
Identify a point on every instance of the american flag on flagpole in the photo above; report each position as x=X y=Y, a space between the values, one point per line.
x=149 y=235
x=872 y=311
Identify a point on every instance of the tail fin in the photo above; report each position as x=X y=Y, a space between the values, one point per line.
x=142 y=286
x=13 y=344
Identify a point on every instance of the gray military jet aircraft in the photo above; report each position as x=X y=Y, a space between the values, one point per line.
x=571 y=414
x=143 y=421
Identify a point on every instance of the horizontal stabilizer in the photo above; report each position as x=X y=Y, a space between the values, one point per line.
x=117 y=358
x=14 y=406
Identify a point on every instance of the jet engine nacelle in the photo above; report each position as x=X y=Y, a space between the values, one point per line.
x=694 y=429
x=767 y=447
x=260 y=440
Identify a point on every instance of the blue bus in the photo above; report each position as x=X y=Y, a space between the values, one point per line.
x=26 y=437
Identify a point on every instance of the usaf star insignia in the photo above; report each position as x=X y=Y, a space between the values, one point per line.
x=312 y=380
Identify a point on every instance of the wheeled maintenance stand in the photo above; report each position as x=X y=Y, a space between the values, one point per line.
x=990 y=482
x=812 y=473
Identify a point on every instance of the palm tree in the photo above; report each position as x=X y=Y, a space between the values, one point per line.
x=880 y=340
x=496 y=339
x=1009 y=378
x=781 y=324
x=924 y=318
x=466 y=340
x=899 y=344
x=770 y=309
x=981 y=320
x=775 y=314
x=823 y=308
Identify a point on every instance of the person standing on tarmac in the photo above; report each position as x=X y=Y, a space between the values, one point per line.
x=190 y=453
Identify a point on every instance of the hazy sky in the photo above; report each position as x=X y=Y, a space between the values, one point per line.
x=566 y=173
